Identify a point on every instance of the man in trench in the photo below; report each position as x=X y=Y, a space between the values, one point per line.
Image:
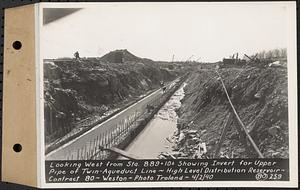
x=163 y=86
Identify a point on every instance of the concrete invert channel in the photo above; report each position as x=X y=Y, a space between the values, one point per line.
x=156 y=136
x=71 y=148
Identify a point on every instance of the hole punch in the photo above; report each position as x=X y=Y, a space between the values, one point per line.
x=17 y=147
x=17 y=45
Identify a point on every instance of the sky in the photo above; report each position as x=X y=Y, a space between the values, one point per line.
x=209 y=31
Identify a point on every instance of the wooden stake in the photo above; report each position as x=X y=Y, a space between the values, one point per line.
x=84 y=152
x=78 y=154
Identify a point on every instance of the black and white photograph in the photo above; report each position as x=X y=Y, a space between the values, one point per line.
x=166 y=81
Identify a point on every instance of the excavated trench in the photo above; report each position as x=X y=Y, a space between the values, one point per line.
x=154 y=139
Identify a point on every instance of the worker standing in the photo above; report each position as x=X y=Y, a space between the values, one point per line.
x=163 y=86
x=76 y=55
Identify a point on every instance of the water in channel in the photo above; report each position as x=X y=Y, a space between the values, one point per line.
x=153 y=139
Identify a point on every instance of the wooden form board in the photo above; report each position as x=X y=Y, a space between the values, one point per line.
x=19 y=98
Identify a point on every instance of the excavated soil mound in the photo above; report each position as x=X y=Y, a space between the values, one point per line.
x=78 y=89
x=260 y=97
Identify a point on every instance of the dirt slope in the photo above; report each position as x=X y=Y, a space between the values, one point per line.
x=78 y=89
x=259 y=96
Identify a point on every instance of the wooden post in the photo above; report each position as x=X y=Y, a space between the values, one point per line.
x=236 y=58
x=111 y=137
x=78 y=153
x=117 y=134
x=125 y=123
x=87 y=151
x=97 y=143
x=106 y=139
x=118 y=130
x=90 y=148
x=50 y=118
x=81 y=153
x=101 y=140
x=123 y=128
x=84 y=152
x=93 y=148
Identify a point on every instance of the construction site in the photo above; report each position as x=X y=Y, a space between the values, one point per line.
x=121 y=106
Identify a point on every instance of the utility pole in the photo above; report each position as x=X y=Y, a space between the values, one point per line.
x=173 y=58
x=236 y=58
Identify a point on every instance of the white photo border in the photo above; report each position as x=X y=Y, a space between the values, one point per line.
x=292 y=106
